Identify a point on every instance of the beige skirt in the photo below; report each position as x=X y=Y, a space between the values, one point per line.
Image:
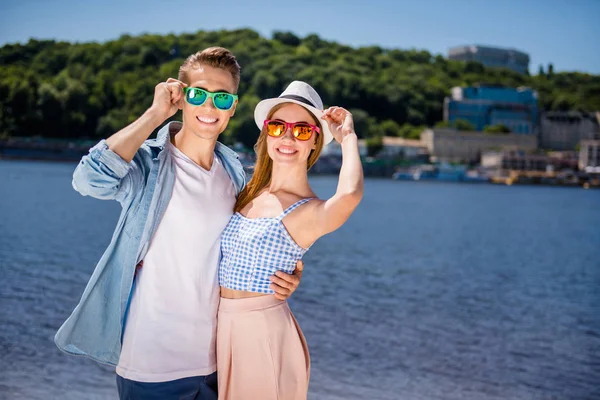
x=261 y=351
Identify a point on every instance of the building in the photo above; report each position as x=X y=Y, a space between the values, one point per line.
x=334 y=149
x=492 y=57
x=589 y=156
x=514 y=160
x=486 y=105
x=393 y=147
x=452 y=145
x=563 y=130
x=519 y=160
x=397 y=147
x=566 y=159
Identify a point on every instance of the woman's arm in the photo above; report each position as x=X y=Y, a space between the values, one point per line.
x=333 y=213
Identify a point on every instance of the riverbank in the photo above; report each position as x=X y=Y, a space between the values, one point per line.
x=33 y=149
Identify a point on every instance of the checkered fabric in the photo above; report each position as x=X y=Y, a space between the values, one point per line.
x=253 y=249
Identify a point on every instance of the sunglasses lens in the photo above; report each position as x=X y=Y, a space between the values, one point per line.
x=196 y=97
x=302 y=131
x=275 y=128
x=223 y=101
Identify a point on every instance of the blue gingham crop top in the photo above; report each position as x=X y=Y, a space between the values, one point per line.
x=253 y=249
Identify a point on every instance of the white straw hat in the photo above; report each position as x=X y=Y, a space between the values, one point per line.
x=300 y=93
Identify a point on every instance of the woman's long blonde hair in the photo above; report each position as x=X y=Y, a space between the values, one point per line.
x=264 y=165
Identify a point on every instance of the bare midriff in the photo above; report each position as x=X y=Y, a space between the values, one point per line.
x=238 y=294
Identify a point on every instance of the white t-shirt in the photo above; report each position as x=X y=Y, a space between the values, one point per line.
x=170 y=331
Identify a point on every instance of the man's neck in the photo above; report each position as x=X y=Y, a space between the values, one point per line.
x=199 y=150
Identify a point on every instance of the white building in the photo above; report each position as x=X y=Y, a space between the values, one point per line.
x=335 y=149
x=589 y=155
x=563 y=130
x=392 y=147
x=452 y=145
x=492 y=57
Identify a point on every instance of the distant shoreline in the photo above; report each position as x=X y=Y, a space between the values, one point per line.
x=28 y=149
x=34 y=149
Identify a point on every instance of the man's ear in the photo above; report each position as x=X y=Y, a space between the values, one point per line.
x=233 y=109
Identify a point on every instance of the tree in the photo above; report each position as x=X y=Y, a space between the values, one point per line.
x=374 y=145
x=242 y=127
x=57 y=89
x=363 y=124
x=411 y=132
x=474 y=67
x=287 y=38
x=463 y=125
x=563 y=102
x=389 y=128
x=496 y=129
x=414 y=116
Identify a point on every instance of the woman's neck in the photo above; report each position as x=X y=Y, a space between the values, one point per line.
x=291 y=179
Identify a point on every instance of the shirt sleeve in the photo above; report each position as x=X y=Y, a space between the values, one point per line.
x=104 y=175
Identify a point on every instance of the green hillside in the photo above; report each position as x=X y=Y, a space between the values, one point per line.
x=90 y=90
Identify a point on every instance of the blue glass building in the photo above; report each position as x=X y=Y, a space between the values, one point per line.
x=484 y=105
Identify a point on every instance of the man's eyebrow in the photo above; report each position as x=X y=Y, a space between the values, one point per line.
x=212 y=91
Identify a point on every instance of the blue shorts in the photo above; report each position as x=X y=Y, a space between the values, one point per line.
x=192 y=388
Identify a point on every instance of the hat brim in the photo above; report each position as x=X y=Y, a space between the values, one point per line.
x=262 y=110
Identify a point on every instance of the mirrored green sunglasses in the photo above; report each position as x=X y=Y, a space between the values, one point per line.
x=222 y=100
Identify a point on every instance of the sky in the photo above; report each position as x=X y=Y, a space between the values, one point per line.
x=565 y=33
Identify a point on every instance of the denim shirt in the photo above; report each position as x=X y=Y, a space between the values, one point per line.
x=143 y=187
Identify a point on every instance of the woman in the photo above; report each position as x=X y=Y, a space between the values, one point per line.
x=261 y=352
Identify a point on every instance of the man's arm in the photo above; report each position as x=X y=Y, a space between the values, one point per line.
x=107 y=172
x=167 y=100
x=285 y=284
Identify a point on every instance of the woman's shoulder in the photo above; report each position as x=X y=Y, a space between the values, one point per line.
x=272 y=204
x=290 y=199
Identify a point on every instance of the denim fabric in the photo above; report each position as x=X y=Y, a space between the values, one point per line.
x=193 y=388
x=143 y=187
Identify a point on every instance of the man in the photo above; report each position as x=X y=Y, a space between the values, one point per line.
x=157 y=323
